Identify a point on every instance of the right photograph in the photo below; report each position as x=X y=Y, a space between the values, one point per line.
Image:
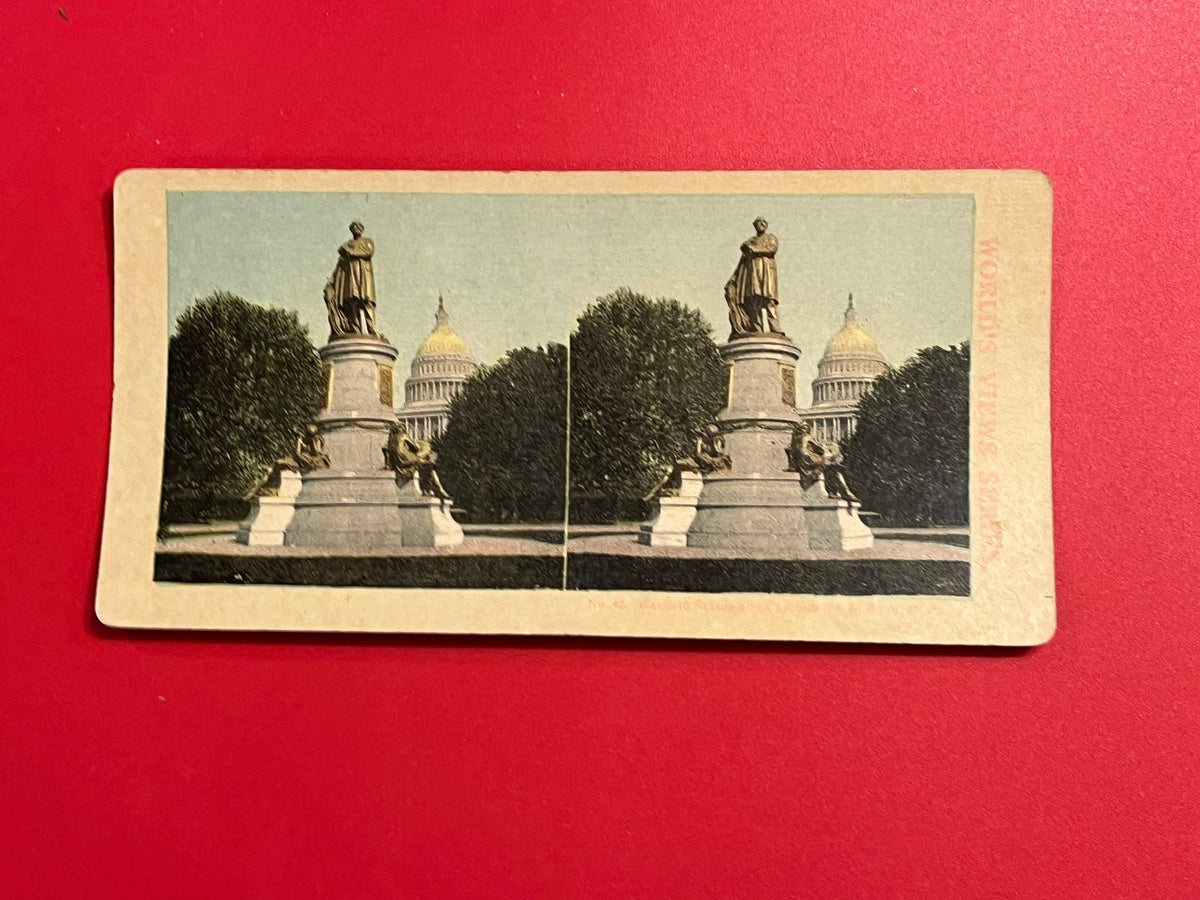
x=797 y=424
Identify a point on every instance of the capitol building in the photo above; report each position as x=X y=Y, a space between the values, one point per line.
x=852 y=361
x=439 y=369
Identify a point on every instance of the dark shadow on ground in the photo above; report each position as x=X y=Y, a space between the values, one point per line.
x=463 y=572
x=604 y=571
x=544 y=534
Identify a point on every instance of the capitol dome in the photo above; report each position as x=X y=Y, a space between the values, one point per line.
x=443 y=341
x=441 y=367
x=851 y=363
x=852 y=340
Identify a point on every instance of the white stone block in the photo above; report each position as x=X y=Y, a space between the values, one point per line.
x=670 y=523
x=270 y=515
x=290 y=484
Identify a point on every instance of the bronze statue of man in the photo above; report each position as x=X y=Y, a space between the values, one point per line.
x=350 y=292
x=753 y=289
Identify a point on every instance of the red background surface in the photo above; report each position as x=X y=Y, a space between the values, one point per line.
x=135 y=764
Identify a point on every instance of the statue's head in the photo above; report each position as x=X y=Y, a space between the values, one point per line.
x=760 y=225
x=312 y=429
x=356 y=229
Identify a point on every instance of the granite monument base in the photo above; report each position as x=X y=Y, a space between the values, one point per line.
x=426 y=521
x=347 y=511
x=354 y=503
x=833 y=523
x=759 y=502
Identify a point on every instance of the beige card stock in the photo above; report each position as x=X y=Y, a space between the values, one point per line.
x=584 y=404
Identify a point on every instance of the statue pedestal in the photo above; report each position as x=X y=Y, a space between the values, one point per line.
x=270 y=515
x=670 y=524
x=757 y=504
x=425 y=520
x=355 y=503
x=833 y=524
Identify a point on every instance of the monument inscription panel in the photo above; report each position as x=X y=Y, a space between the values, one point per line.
x=788 y=374
x=385 y=373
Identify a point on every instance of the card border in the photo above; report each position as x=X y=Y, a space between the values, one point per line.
x=1012 y=598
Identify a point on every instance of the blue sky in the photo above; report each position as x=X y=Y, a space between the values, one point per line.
x=516 y=269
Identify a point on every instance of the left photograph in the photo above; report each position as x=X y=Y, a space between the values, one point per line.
x=312 y=368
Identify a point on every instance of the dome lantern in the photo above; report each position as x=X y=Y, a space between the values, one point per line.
x=852 y=340
x=443 y=341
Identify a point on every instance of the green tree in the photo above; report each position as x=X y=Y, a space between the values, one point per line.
x=645 y=376
x=242 y=382
x=908 y=458
x=502 y=456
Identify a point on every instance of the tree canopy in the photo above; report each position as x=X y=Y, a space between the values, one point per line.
x=503 y=454
x=908 y=458
x=645 y=376
x=242 y=382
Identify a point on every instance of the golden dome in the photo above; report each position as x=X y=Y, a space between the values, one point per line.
x=852 y=340
x=443 y=341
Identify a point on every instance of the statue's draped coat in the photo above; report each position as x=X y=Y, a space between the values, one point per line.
x=354 y=278
x=754 y=281
x=756 y=275
x=351 y=286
